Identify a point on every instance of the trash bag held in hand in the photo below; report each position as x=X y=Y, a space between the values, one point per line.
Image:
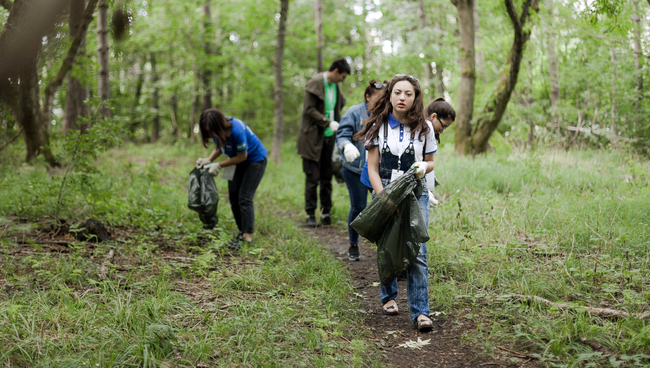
x=394 y=221
x=203 y=197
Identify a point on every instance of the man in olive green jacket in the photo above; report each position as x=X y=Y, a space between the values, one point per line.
x=316 y=138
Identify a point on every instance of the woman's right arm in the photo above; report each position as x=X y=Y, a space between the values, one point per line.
x=373 y=169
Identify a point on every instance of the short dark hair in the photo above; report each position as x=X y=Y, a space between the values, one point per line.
x=442 y=109
x=340 y=64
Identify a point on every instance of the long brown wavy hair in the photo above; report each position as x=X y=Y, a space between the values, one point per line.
x=382 y=109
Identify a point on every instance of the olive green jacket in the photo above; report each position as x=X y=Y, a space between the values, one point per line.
x=313 y=123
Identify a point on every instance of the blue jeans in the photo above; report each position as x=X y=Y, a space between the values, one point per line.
x=358 y=200
x=417 y=276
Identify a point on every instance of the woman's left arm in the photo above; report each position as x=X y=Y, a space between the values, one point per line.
x=241 y=157
x=429 y=160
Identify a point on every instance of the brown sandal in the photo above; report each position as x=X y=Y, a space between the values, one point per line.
x=390 y=308
x=424 y=323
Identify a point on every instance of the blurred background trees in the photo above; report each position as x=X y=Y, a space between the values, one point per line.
x=519 y=72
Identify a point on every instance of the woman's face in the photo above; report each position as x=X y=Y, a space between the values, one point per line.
x=402 y=97
x=439 y=125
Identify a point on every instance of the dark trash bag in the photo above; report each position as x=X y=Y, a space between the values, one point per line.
x=394 y=222
x=203 y=197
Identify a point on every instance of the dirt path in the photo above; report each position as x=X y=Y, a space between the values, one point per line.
x=445 y=348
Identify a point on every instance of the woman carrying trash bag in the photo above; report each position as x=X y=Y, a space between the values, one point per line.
x=354 y=158
x=247 y=153
x=397 y=136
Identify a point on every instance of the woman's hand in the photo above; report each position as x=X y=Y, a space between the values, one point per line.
x=202 y=161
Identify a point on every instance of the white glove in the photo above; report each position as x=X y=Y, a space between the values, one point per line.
x=433 y=202
x=202 y=161
x=350 y=152
x=213 y=169
x=420 y=169
x=334 y=125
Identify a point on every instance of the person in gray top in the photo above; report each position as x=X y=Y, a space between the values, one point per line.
x=353 y=157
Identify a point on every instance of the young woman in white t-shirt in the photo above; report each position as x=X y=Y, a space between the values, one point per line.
x=397 y=137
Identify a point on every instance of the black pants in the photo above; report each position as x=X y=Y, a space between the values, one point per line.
x=241 y=190
x=319 y=173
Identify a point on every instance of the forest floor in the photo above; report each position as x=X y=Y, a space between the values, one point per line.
x=447 y=345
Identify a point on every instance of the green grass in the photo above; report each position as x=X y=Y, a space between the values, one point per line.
x=174 y=296
x=571 y=227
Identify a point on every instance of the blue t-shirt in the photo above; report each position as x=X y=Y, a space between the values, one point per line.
x=243 y=139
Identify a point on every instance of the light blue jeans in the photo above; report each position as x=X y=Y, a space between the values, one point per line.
x=417 y=276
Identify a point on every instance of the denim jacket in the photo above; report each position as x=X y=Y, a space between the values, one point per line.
x=351 y=125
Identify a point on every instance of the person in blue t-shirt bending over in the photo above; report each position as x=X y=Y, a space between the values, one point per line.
x=248 y=154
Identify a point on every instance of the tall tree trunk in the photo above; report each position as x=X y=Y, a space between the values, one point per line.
x=29 y=116
x=193 y=117
x=553 y=70
x=68 y=62
x=494 y=109
x=76 y=92
x=638 y=53
x=278 y=111
x=614 y=87
x=176 y=132
x=135 y=121
x=103 y=86
x=480 y=64
x=467 y=75
x=428 y=70
x=206 y=72
x=320 y=41
x=155 y=122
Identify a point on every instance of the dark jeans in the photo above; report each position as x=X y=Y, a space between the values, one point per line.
x=358 y=200
x=241 y=190
x=319 y=173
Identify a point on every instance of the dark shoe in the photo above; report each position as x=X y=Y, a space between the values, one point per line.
x=311 y=221
x=234 y=244
x=353 y=253
x=326 y=219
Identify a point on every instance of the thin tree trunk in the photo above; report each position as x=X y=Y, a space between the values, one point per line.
x=206 y=73
x=553 y=68
x=103 y=86
x=68 y=62
x=193 y=117
x=138 y=93
x=494 y=109
x=467 y=75
x=278 y=111
x=614 y=87
x=428 y=70
x=638 y=53
x=320 y=41
x=480 y=64
x=76 y=93
x=155 y=122
x=176 y=132
x=36 y=138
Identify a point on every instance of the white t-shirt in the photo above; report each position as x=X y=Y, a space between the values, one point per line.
x=399 y=138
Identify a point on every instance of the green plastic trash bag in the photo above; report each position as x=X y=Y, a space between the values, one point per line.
x=394 y=222
x=203 y=197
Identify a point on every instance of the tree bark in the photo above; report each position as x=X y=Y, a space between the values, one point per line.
x=76 y=92
x=480 y=64
x=494 y=109
x=103 y=80
x=428 y=70
x=193 y=116
x=206 y=73
x=638 y=52
x=36 y=138
x=614 y=87
x=278 y=111
x=155 y=122
x=6 y=4
x=553 y=67
x=467 y=75
x=320 y=42
x=176 y=132
x=68 y=62
x=138 y=93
